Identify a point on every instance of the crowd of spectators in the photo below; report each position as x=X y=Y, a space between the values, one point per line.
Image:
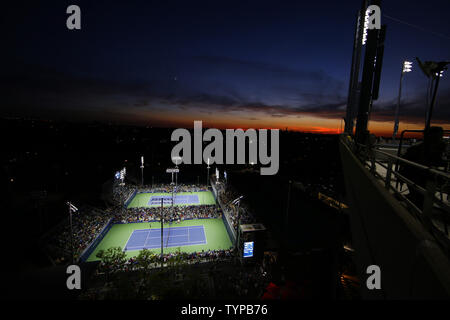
x=87 y=224
x=165 y=188
x=241 y=284
x=220 y=277
x=122 y=193
x=245 y=281
x=132 y=264
x=226 y=195
x=230 y=280
x=170 y=214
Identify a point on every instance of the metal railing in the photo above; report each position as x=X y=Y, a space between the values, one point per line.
x=400 y=145
x=434 y=214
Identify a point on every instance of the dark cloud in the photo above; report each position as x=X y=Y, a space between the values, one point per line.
x=34 y=89
x=414 y=111
x=251 y=67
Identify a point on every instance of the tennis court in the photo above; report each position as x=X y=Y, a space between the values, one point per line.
x=188 y=236
x=172 y=237
x=148 y=199
x=188 y=199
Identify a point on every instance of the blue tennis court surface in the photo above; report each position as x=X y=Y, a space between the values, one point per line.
x=179 y=199
x=172 y=237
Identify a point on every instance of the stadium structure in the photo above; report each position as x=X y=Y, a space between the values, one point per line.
x=189 y=221
x=167 y=220
x=398 y=207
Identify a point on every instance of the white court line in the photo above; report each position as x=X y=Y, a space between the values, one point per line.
x=127 y=241
x=192 y=243
x=183 y=244
x=171 y=245
x=187 y=228
x=177 y=228
x=183 y=235
x=146 y=237
x=204 y=233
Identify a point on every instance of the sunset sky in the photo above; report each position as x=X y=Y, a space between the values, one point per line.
x=230 y=64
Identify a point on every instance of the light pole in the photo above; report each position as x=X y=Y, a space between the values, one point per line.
x=217 y=175
x=434 y=71
x=142 y=170
x=176 y=159
x=437 y=76
x=72 y=208
x=406 y=67
x=207 y=176
x=123 y=173
x=162 y=227
x=237 y=203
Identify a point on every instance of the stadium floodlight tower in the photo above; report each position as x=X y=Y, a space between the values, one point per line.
x=162 y=232
x=142 y=170
x=434 y=71
x=406 y=67
x=172 y=171
x=72 y=209
x=123 y=173
x=207 y=174
x=236 y=202
x=217 y=175
x=177 y=160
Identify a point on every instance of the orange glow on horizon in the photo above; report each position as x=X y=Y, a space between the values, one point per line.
x=307 y=123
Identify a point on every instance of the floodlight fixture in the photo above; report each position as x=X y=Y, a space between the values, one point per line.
x=176 y=159
x=72 y=208
x=407 y=66
x=142 y=170
x=366 y=26
x=237 y=200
